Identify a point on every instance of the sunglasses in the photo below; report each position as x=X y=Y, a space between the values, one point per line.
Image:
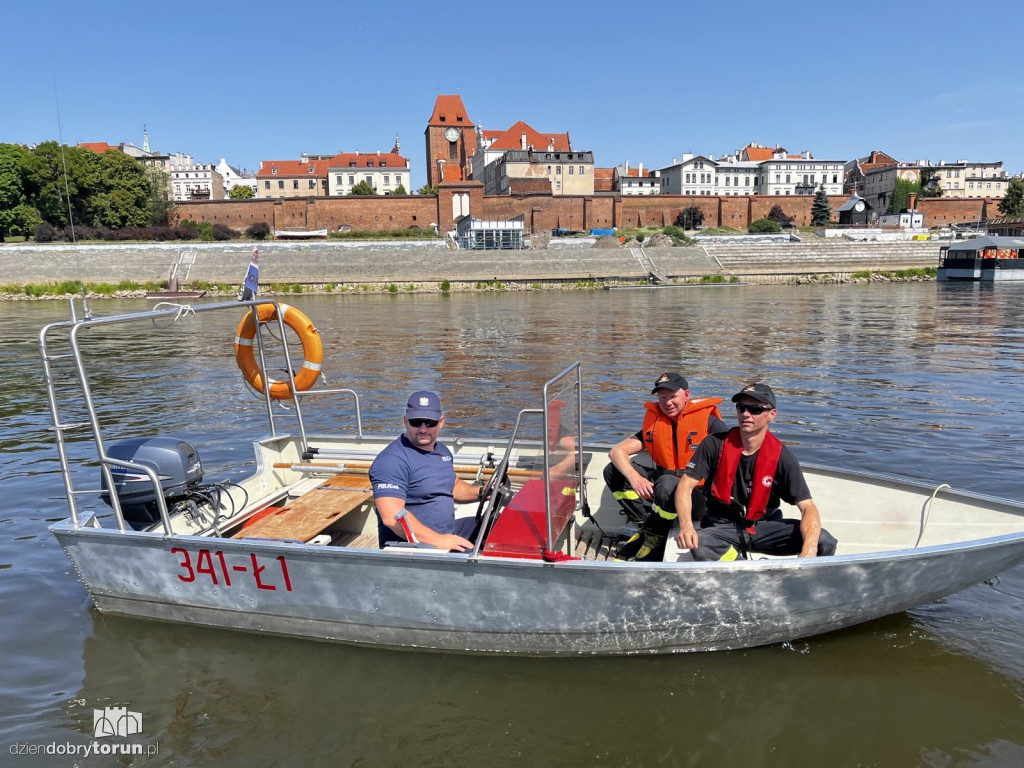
x=428 y=423
x=756 y=410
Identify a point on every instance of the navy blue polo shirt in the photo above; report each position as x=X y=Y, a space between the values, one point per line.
x=424 y=479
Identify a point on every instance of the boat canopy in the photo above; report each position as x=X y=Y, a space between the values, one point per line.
x=986 y=243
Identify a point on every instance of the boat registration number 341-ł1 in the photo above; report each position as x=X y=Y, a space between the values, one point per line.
x=215 y=566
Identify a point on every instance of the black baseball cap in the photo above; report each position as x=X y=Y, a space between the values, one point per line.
x=759 y=391
x=671 y=381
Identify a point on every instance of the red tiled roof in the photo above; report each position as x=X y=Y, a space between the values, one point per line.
x=99 y=147
x=314 y=168
x=363 y=160
x=319 y=168
x=513 y=138
x=757 y=154
x=448 y=110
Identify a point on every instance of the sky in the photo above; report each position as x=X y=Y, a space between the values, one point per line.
x=640 y=82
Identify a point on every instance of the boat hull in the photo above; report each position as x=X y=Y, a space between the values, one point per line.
x=445 y=602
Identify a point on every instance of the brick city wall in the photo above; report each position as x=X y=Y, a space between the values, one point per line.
x=540 y=212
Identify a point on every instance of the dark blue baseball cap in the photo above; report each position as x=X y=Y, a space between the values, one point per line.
x=423 y=405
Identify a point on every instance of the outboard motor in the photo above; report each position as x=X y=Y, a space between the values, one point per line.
x=176 y=464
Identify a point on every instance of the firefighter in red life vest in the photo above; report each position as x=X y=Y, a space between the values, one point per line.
x=746 y=473
x=673 y=428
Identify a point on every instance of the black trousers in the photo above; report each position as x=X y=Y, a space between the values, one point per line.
x=719 y=538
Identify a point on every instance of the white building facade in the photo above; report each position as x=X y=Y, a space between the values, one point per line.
x=196 y=182
x=732 y=175
x=385 y=172
x=232 y=178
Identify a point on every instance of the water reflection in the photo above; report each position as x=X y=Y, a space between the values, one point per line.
x=212 y=696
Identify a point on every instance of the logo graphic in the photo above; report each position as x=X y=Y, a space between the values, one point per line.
x=424 y=401
x=115 y=721
x=766 y=481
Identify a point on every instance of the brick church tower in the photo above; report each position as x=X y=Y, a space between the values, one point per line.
x=451 y=141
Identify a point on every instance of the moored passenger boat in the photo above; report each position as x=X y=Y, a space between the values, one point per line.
x=285 y=543
x=983 y=259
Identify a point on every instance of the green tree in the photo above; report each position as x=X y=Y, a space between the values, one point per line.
x=690 y=217
x=121 y=195
x=20 y=220
x=160 y=202
x=764 y=225
x=930 y=183
x=241 y=192
x=1012 y=203
x=426 y=189
x=901 y=194
x=12 y=188
x=821 y=210
x=399 y=191
x=258 y=230
x=778 y=215
x=47 y=186
x=362 y=188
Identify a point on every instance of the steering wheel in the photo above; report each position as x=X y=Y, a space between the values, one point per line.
x=497 y=484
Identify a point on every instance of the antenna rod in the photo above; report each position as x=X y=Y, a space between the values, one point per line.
x=67 y=194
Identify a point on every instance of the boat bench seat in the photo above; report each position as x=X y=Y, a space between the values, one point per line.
x=521 y=528
x=312 y=513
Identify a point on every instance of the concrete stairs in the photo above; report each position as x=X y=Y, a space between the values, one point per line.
x=420 y=263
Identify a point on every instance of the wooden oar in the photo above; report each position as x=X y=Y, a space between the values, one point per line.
x=364 y=466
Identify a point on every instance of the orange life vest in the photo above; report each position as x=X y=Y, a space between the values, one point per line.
x=672 y=443
x=764 y=473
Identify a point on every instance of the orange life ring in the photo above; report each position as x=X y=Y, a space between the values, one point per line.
x=312 y=350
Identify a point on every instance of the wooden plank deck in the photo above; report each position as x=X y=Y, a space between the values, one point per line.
x=593 y=546
x=313 y=512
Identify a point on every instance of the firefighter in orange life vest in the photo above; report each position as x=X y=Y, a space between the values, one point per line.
x=746 y=473
x=673 y=428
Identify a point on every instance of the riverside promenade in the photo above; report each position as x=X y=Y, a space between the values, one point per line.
x=429 y=262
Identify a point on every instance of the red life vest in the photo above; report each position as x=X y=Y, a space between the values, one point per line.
x=672 y=443
x=764 y=472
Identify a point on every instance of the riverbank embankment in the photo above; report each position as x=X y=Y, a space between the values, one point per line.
x=326 y=265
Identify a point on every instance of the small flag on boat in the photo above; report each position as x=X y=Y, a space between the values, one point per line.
x=250 y=284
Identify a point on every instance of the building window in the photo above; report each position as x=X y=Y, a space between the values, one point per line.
x=280 y=183
x=727 y=181
x=312 y=183
x=272 y=170
x=369 y=179
x=266 y=185
x=387 y=180
x=351 y=180
x=581 y=170
x=295 y=183
x=558 y=170
x=369 y=163
x=571 y=169
x=337 y=180
x=453 y=153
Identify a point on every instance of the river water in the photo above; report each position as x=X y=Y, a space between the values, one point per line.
x=921 y=380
